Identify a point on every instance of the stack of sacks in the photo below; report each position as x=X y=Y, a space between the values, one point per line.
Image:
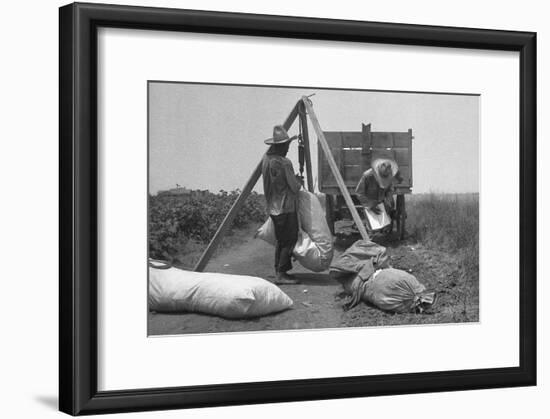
x=366 y=275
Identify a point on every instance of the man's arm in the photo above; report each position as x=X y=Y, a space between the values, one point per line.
x=290 y=178
x=360 y=185
x=360 y=188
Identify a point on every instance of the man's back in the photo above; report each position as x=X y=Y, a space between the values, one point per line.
x=280 y=185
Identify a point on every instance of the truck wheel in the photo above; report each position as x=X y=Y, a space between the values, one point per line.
x=401 y=226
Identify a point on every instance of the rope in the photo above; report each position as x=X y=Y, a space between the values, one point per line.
x=301 y=149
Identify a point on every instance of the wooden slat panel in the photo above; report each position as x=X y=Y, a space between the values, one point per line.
x=352 y=157
x=401 y=139
x=382 y=139
x=334 y=138
x=365 y=162
x=326 y=173
x=401 y=156
x=352 y=174
x=391 y=139
x=353 y=139
x=383 y=153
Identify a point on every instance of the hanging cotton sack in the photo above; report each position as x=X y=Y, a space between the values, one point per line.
x=314 y=249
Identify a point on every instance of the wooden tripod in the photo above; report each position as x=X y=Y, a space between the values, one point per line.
x=302 y=108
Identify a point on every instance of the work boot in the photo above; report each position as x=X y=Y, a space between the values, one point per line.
x=283 y=278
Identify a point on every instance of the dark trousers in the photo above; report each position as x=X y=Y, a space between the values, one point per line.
x=286 y=233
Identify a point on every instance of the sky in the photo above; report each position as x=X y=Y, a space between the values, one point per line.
x=211 y=136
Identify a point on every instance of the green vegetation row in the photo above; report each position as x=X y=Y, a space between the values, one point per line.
x=175 y=220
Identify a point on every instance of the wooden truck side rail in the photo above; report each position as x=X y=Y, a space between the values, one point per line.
x=353 y=152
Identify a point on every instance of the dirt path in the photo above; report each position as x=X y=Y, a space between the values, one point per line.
x=318 y=300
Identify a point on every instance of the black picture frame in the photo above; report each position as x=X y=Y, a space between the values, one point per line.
x=78 y=167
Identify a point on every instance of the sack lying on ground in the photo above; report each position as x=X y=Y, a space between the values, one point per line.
x=366 y=275
x=396 y=290
x=362 y=258
x=389 y=289
x=224 y=295
x=313 y=250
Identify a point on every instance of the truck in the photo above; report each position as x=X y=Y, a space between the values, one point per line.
x=353 y=152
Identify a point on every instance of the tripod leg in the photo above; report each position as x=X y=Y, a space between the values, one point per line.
x=335 y=170
x=307 y=150
x=237 y=205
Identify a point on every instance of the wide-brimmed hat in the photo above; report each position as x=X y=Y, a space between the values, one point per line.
x=280 y=136
x=384 y=171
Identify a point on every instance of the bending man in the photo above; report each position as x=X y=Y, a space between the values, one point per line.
x=376 y=185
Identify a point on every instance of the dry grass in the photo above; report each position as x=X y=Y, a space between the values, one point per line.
x=450 y=223
x=447 y=222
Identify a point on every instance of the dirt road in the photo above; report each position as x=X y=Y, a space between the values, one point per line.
x=318 y=300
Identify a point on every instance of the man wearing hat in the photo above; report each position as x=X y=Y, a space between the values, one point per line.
x=375 y=185
x=281 y=188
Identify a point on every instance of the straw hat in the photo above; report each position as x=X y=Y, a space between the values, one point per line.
x=384 y=171
x=280 y=136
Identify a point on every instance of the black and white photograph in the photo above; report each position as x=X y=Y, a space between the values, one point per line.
x=270 y=210
x=277 y=208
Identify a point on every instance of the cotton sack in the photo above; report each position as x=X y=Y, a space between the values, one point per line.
x=224 y=295
x=314 y=249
